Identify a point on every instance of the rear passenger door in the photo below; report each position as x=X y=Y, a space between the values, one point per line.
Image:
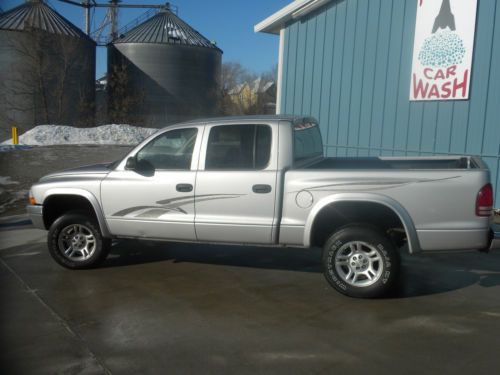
x=236 y=184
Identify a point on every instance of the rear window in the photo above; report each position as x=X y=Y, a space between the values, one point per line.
x=306 y=141
x=238 y=147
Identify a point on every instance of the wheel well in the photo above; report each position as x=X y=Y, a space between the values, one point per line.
x=340 y=214
x=57 y=205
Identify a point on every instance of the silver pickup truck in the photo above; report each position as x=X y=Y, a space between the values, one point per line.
x=265 y=180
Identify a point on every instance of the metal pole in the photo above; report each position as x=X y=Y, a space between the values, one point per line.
x=114 y=18
x=15 y=138
x=87 y=16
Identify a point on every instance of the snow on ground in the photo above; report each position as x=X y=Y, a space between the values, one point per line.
x=114 y=134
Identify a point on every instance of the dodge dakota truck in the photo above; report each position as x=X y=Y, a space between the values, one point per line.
x=264 y=180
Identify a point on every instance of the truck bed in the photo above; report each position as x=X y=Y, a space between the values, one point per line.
x=438 y=194
x=356 y=163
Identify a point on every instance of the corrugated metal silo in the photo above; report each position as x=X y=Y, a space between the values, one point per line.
x=47 y=69
x=162 y=71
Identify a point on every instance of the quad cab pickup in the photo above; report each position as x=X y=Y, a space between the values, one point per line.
x=265 y=180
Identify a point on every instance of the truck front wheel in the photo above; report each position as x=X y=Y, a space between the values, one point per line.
x=360 y=261
x=75 y=242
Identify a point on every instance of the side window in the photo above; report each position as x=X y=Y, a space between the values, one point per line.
x=238 y=147
x=171 y=150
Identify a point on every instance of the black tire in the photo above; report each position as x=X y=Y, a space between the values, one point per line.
x=87 y=255
x=360 y=261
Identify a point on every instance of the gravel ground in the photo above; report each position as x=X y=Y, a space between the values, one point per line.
x=27 y=166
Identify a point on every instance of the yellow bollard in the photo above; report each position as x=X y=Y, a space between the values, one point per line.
x=15 y=138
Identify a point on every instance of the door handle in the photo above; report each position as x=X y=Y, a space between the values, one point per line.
x=184 y=188
x=262 y=189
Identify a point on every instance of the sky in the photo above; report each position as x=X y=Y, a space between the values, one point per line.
x=227 y=22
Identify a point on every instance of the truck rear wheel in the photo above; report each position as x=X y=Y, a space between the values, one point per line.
x=75 y=242
x=360 y=261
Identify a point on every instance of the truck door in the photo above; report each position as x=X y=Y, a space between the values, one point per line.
x=152 y=194
x=236 y=184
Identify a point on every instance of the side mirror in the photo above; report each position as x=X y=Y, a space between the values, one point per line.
x=131 y=163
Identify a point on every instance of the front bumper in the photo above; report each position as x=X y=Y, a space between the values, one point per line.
x=35 y=213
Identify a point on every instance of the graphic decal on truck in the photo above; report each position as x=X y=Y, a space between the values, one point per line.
x=371 y=184
x=170 y=205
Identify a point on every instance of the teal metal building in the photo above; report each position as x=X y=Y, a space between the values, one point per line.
x=349 y=64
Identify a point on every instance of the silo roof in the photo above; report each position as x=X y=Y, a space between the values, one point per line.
x=38 y=15
x=166 y=28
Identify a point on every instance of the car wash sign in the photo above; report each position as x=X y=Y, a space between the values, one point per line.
x=442 y=50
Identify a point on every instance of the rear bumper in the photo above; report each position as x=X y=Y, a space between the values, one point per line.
x=35 y=213
x=451 y=240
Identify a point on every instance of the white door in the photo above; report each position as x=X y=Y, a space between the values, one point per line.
x=155 y=197
x=236 y=185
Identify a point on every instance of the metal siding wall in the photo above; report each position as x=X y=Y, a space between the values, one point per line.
x=349 y=64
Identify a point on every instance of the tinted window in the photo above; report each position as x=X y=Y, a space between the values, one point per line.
x=171 y=150
x=238 y=147
x=306 y=141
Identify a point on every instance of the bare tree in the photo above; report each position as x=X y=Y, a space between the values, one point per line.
x=242 y=92
x=271 y=74
x=44 y=83
x=232 y=75
x=265 y=102
x=123 y=104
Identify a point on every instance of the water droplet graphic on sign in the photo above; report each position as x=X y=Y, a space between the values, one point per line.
x=442 y=49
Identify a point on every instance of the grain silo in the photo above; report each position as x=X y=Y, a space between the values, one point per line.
x=161 y=72
x=47 y=69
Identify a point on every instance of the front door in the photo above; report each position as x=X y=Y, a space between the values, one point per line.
x=154 y=196
x=236 y=185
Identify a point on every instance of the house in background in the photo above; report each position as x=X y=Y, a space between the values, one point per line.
x=257 y=96
x=349 y=64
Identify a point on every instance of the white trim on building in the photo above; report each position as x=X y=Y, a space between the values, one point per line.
x=280 y=71
x=298 y=8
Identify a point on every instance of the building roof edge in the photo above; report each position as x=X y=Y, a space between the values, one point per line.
x=295 y=10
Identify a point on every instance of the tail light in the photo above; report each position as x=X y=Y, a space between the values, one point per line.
x=484 y=201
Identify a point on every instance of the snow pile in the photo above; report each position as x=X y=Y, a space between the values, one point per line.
x=114 y=134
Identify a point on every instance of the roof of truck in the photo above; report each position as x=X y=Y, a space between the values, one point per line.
x=288 y=118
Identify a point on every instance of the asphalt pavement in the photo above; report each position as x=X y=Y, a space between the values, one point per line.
x=211 y=309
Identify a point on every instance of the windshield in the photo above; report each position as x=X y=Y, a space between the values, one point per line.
x=307 y=141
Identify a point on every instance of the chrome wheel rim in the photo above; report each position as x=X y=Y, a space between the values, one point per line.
x=359 y=263
x=77 y=242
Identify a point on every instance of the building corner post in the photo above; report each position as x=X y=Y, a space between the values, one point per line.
x=280 y=71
